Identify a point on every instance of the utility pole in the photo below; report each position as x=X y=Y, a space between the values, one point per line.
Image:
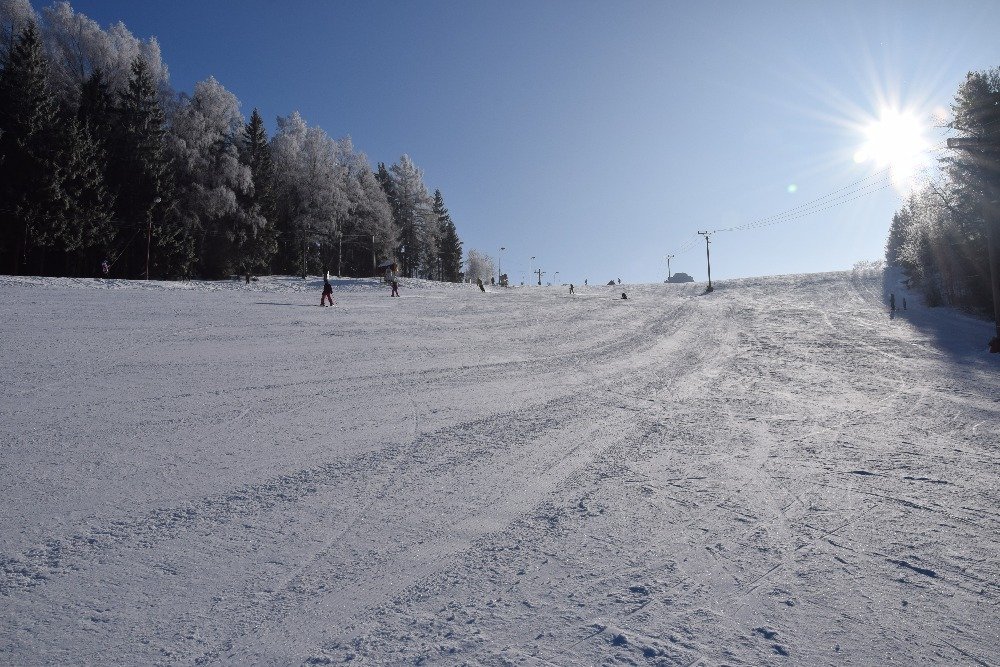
x=499 y=272
x=669 y=257
x=992 y=224
x=708 y=256
x=539 y=272
x=149 y=232
x=304 y=241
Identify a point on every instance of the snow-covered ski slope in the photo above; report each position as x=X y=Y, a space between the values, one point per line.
x=773 y=474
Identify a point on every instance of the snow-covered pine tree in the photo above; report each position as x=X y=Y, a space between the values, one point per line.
x=87 y=229
x=259 y=248
x=31 y=176
x=141 y=175
x=414 y=218
x=449 y=245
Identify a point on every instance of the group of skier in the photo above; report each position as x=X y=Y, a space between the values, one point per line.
x=391 y=278
x=892 y=303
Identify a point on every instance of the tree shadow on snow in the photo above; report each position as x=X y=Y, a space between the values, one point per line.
x=961 y=336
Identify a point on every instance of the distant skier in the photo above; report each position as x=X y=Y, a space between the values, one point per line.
x=904 y=303
x=327 y=292
x=584 y=282
x=390 y=277
x=571 y=288
x=892 y=303
x=493 y=282
x=105 y=268
x=479 y=281
x=619 y=281
x=624 y=296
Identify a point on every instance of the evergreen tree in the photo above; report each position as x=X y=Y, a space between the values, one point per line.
x=413 y=216
x=30 y=173
x=142 y=178
x=975 y=180
x=449 y=245
x=87 y=230
x=259 y=247
x=384 y=179
x=97 y=109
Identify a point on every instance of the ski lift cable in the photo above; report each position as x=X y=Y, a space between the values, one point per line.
x=829 y=200
x=883 y=177
x=817 y=205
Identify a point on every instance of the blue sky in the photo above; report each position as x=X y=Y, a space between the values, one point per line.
x=600 y=136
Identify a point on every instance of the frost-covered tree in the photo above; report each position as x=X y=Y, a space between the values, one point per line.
x=414 y=218
x=15 y=17
x=213 y=184
x=939 y=236
x=308 y=182
x=77 y=46
x=366 y=228
x=479 y=265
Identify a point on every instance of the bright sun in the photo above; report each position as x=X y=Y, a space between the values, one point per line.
x=896 y=140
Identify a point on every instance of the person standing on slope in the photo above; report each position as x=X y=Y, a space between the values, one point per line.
x=479 y=281
x=892 y=302
x=327 y=292
x=390 y=277
x=571 y=288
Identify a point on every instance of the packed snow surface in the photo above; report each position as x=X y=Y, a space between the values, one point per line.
x=217 y=473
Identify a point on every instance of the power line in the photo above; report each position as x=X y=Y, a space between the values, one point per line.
x=862 y=187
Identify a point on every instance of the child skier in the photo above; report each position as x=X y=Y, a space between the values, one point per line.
x=390 y=277
x=327 y=292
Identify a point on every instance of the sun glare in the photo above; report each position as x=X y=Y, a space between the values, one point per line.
x=896 y=140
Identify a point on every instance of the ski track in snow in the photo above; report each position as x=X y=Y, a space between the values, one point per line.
x=775 y=473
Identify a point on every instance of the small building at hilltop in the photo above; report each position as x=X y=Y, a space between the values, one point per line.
x=679 y=278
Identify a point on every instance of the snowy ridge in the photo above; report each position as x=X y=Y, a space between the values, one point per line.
x=775 y=473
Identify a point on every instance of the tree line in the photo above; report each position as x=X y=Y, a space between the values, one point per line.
x=100 y=160
x=939 y=237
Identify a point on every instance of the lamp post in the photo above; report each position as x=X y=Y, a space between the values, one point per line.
x=531 y=263
x=500 y=257
x=669 y=257
x=149 y=232
x=340 y=249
